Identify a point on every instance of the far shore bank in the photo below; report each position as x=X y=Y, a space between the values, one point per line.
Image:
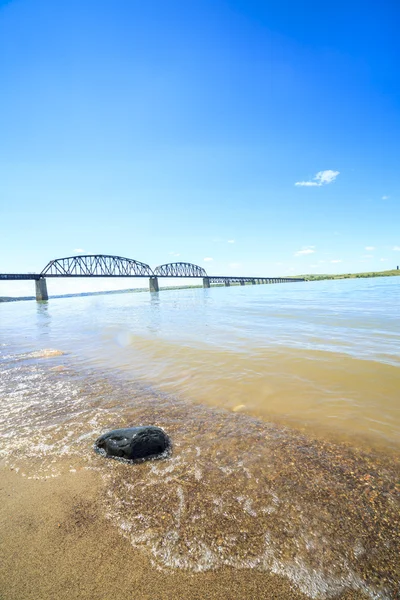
x=104 y=293
x=322 y=276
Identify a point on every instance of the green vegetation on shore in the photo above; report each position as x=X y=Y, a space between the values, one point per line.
x=321 y=276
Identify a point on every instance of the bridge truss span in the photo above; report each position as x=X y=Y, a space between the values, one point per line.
x=179 y=269
x=96 y=265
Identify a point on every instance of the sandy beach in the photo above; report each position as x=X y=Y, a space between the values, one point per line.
x=55 y=543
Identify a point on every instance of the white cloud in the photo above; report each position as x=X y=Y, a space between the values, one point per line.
x=79 y=250
x=174 y=254
x=235 y=265
x=231 y=241
x=305 y=250
x=307 y=183
x=368 y=256
x=396 y=248
x=208 y=259
x=370 y=248
x=321 y=178
x=385 y=197
x=383 y=259
x=336 y=261
x=321 y=261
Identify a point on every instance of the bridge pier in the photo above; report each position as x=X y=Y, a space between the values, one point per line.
x=227 y=283
x=253 y=282
x=242 y=283
x=41 y=289
x=153 y=284
x=206 y=282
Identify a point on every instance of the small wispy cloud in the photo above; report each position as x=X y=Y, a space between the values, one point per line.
x=174 y=254
x=231 y=241
x=79 y=250
x=336 y=261
x=396 y=248
x=321 y=178
x=208 y=259
x=368 y=256
x=305 y=250
x=385 y=197
x=369 y=248
x=383 y=259
x=236 y=265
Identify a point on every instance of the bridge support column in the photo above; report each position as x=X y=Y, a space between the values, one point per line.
x=153 y=284
x=206 y=282
x=41 y=290
x=242 y=283
x=254 y=282
x=227 y=283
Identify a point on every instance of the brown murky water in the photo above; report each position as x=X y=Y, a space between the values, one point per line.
x=285 y=453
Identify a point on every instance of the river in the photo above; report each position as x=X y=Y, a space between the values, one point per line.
x=282 y=402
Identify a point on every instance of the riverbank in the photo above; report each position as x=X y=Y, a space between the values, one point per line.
x=320 y=277
x=106 y=293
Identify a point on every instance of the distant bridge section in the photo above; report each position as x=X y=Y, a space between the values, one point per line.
x=179 y=269
x=96 y=265
x=253 y=280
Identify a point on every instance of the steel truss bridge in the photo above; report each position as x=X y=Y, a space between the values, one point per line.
x=103 y=265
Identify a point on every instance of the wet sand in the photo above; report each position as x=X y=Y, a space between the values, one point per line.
x=243 y=509
x=56 y=543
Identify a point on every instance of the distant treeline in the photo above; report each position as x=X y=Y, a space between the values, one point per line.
x=10 y=299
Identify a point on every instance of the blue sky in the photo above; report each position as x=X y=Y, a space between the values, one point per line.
x=178 y=129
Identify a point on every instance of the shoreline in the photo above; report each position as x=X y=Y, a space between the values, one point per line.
x=242 y=505
x=70 y=552
x=363 y=275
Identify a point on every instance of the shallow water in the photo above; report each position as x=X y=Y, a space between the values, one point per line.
x=245 y=487
x=323 y=356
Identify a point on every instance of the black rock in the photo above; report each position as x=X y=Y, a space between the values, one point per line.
x=135 y=443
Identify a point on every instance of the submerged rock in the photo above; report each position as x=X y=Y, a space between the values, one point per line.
x=135 y=443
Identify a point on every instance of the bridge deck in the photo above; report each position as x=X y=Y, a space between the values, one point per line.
x=19 y=276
